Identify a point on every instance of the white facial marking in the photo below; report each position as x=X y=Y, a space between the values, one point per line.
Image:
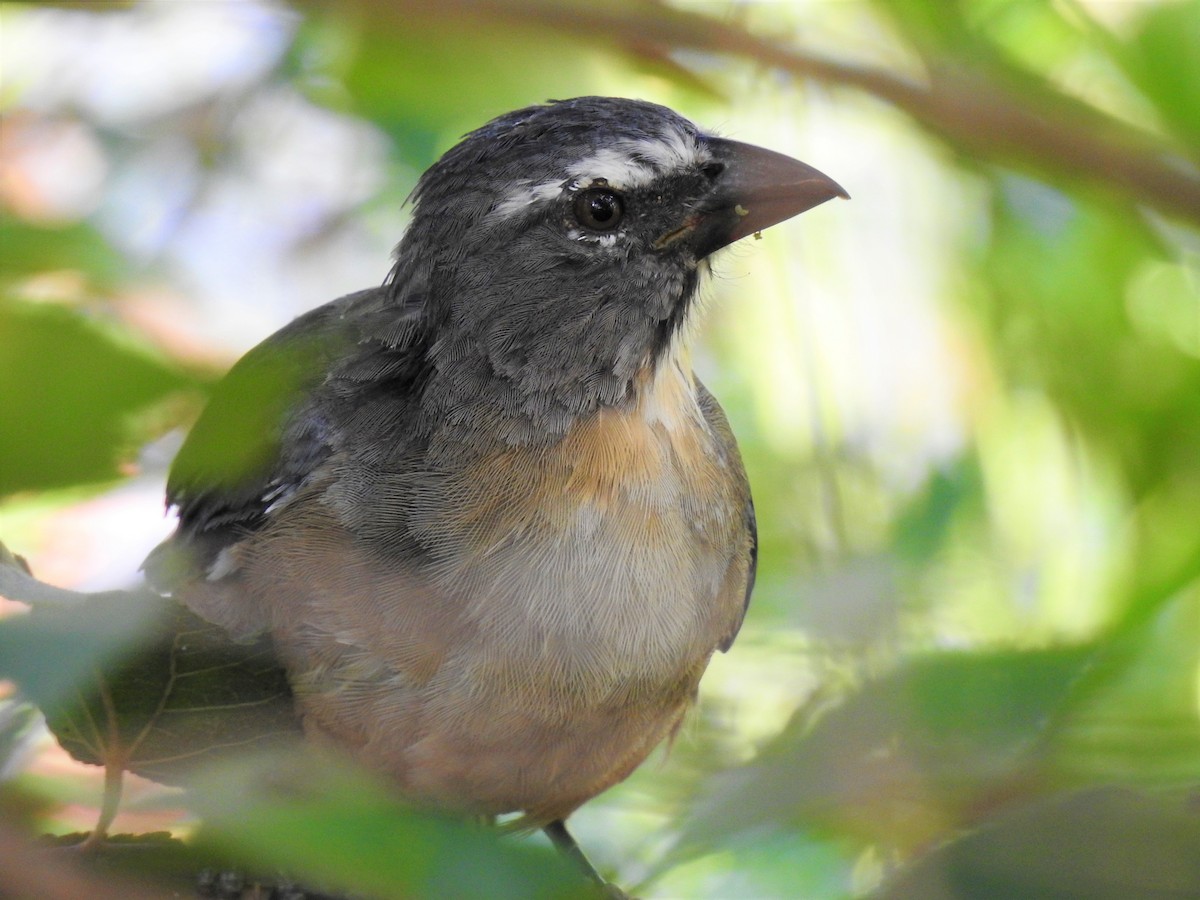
x=608 y=239
x=673 y=150
x=626 y=165
x=526 y=194
x=616 y=165
x=632 y=164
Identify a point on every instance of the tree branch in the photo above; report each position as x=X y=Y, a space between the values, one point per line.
x=1037 y=129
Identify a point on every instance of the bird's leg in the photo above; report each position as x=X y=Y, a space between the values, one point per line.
x=566 y=845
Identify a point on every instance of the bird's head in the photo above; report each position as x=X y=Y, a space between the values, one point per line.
x=563 y=243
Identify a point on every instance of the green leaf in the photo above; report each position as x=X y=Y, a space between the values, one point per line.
x=906 y=759
x=428 y=75
x=1105 y=844
x=18 y=733
x=1134 y=720
x=398 y=72
x=924 y=527
x=136 y=681
x=70 y=386
x=932 y=28
x=1164 y=61
x=1059 y=273
x=320 y=820
x=50 y=652
x=30 y=249
x=183 y=695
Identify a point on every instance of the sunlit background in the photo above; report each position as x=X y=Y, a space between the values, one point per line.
x=968 y=399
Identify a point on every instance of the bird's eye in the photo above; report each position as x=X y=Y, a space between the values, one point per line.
x=599 y=209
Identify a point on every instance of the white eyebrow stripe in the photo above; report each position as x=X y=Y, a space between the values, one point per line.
x=672 y=150
x=632 y=164
x=616 y=165
x=627 y=165
x=527 y=194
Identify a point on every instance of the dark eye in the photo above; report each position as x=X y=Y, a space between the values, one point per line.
x=599 y=208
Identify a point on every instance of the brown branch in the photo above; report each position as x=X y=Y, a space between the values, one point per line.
x=1036 y=128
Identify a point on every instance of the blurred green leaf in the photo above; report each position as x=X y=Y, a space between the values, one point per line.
x=316 y=818
x=51 y=652
x=1035 y=36
x=179 y=695
x=1106 y=844
x=70 y=384
x=1134 y=719
x=1164 y=61
x=234 y=446
x=924 y=526
x=17 y=734
x=910 y=756
x=766 y=864
x=1059 y=269
x=428 y=75
x=29 y=249
x=936 y=29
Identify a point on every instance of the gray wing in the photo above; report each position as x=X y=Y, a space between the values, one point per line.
x=715 y=417
x=272 y=422
x=752 y=571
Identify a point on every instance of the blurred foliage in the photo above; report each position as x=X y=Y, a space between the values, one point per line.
x=908 y=757
x=1102 y=844
x=975 y=678
x=187 y=695
x=51 y=351
x=54 y=352
x=344 y=830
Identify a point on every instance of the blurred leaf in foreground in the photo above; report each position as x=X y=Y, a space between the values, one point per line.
x=70 y=387
x=319 y=820
x=184 y=694
x=30 y=249
x=1164 y=61
x=50 y=653
x=924 y=750
x=1104 y=844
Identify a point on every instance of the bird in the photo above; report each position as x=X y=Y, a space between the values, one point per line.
x=489 y=520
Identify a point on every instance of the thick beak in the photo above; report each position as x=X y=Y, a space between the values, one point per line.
x=758 y=188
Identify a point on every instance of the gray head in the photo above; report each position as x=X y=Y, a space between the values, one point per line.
x=559 y=246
